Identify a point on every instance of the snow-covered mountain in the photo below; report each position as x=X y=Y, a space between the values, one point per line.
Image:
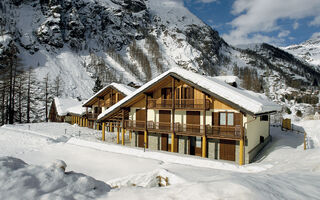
x=308 y=50
x=134 y=41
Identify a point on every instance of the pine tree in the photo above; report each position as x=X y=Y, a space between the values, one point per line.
x=97 y=86
x=46 y=88
x=57 y=86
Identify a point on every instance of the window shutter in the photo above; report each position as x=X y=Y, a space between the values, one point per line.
x=215 y=119
x=238 y=119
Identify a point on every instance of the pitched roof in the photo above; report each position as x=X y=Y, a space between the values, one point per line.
x=68 y=105
x=122 y=88
x=247 y=101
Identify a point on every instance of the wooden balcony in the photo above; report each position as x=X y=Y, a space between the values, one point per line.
x=110 y=103
x=219 y=132
x=92 y=116
x=190 y=104
x=233 y=132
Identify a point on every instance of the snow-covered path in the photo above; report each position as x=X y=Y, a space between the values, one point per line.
x=283 y=171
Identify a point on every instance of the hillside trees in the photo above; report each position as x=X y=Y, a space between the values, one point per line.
x=10 y=70
x=154 y=50
x=97 y=85
x=137 y=54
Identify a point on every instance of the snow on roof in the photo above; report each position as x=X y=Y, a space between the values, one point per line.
x=251 y=102
x=124 y=89
x=68 y=105
x=227 y=79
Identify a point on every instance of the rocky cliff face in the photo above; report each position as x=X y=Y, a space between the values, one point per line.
x=134 y=41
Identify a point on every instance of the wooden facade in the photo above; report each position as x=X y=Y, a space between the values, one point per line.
x=178 y=115
x=168 y=97
x=103 y=100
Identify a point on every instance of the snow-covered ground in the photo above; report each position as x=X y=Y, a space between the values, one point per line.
x=283 y=171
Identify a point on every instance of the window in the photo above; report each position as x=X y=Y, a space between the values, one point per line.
x=223 y=119
x=198 y=142
x=264 y=118
x=169 y=138
x=230 y=119
x=261 y=139
x=226 y=119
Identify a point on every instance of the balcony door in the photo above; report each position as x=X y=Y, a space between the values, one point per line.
x=187 y=96
x=193 y=121
x=165 y=120
x=166 y=96
x=193 y=126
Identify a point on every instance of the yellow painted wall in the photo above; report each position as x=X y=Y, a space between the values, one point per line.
x=220 y=105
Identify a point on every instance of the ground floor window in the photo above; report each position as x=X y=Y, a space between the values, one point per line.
x=198 y=142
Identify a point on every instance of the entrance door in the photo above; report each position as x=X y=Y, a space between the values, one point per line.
x=140 y=123
x=164 y=142
x=192 y=145
x=195 y=146
x=228 y=150
x=140 y=139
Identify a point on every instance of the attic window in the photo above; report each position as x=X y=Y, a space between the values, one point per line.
x=264 y=118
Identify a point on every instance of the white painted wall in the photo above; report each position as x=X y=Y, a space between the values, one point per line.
x=255 y=129
x=180 y=116
x=151 y=116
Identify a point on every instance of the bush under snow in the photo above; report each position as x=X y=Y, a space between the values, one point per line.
x=18 y=180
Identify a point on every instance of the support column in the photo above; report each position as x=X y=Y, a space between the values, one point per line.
x=173 y=93
x=97 y=126
x=87 y=122
x=146 y=121
x=204 y=137
x=130 y=135
x=146 y=138
x=241 y=152
x=118 y=135
x=110 y=128
x=80 y=121
x=122 y=136
x=172 y=142
x=204 y=146
x=103 y=131
x=123 y=124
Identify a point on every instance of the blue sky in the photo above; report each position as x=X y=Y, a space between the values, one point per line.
x=279 y=22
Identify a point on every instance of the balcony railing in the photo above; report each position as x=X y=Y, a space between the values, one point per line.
x=224 y=131
x=186 y=129
x=93 y=116
x=110 y=103
x=197 y=104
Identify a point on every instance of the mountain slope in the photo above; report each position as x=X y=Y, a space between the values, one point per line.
x=308 y=50
x=134 y=41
